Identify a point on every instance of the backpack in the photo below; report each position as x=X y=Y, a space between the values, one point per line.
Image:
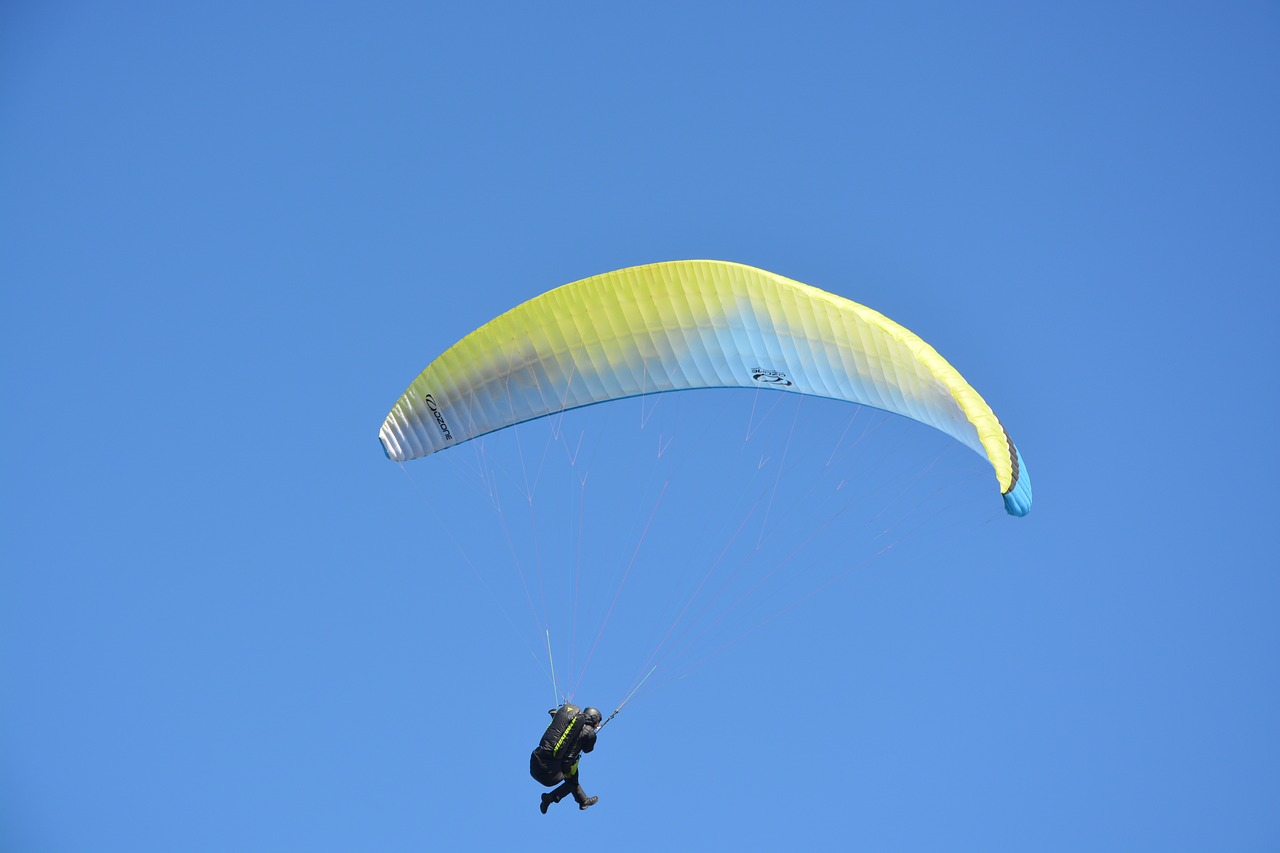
x=545 y=764
x=564 y=726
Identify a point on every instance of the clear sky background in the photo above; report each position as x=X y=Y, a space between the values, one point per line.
x=232 y=233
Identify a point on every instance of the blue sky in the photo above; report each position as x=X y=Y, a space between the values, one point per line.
x=230 y=235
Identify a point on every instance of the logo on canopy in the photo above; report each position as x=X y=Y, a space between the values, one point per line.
x=435 y=410
x=770 y=377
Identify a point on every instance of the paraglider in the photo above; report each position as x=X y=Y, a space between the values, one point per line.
x=682 y=325
x=555 y=760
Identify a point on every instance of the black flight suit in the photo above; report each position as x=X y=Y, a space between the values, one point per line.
x=551 y=764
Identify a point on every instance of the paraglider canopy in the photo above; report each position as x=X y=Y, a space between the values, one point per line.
x=685 y=325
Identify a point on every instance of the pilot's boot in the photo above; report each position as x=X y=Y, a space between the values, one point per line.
x=584 y=802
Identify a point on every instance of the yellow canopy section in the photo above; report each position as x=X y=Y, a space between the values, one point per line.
x=683 y=325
